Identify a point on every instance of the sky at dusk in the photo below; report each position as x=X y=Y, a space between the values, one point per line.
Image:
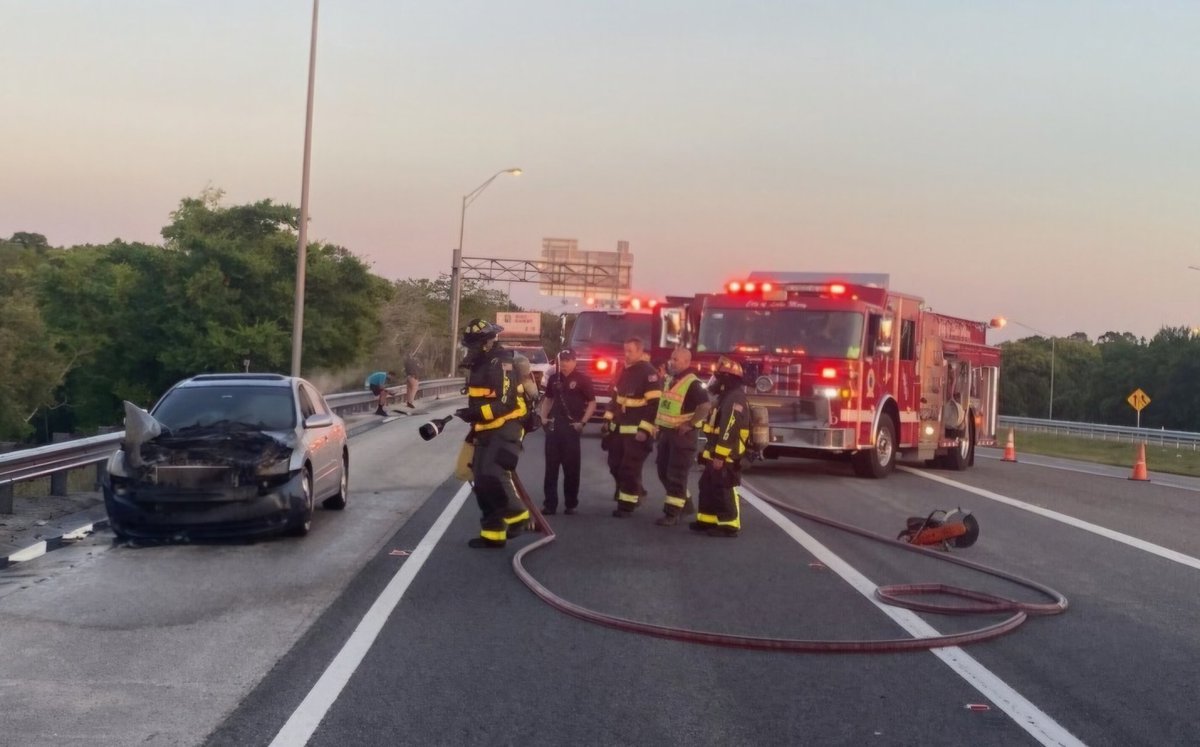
x=1037 y=160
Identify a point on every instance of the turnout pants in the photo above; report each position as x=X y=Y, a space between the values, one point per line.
x=720 y=503
x=626 y=455
x=562 y=450
x=496 y=453
x=676 y=454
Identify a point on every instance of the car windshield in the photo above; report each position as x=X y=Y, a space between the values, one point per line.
x=259 y=407
x=820 y=334
x=535 y=355
x=602 y=327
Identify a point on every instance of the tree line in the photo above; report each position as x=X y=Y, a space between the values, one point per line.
x=1093 y=379
x=84 y=327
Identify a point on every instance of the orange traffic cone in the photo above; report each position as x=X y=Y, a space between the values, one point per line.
x=1139 y=467
x=1010 y=449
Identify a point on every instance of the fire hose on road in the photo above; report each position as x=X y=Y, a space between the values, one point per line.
x=900 y=595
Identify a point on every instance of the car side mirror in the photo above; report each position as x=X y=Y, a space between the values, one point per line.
x=318 y=420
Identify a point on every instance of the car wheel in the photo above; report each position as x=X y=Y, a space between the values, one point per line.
x=337 y=502
x=881 y=460
x=301 y=521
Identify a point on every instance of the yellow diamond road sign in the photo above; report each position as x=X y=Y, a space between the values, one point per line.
x=1138 y=400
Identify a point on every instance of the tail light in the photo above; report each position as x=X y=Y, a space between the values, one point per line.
x=828 y=373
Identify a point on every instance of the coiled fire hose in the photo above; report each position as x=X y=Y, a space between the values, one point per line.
x=899 y=595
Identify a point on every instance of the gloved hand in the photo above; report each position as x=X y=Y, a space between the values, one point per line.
x=717 y=463
x=641 y=436
x=463 y=413
x=578 y=427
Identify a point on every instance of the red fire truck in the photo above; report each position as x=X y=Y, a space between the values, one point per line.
x=598 y=334
x=842 y=366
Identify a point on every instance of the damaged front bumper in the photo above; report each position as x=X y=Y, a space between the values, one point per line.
x=144 y=509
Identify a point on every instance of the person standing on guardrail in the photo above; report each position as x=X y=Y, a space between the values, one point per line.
x=630 y=426
x=495 y=408
x=378 y=382
x=728 y=433
x=413 y=371
x=682 y=410
x=568 y=405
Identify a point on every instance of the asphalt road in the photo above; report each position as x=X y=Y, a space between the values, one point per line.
x=246 y=644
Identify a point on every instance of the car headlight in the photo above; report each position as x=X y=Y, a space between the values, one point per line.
x=116 y=464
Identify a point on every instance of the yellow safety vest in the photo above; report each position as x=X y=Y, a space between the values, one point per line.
x=670 y=406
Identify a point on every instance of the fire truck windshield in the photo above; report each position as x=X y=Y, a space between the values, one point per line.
x=592 y=327
x=810 y=332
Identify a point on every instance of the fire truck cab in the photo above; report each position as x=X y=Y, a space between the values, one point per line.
x=840 y=366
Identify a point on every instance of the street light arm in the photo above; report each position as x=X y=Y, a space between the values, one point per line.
x=469 y=197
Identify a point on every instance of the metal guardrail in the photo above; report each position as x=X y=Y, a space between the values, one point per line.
x=1178 y=439
x=29 y=464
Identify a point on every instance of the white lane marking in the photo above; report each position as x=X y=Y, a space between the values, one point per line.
x=1086 y=526
x=307 y=716
x=1028 y=716
x=36 y=550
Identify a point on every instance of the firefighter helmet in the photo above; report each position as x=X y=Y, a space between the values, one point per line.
x=478 y=331
x=730 y=367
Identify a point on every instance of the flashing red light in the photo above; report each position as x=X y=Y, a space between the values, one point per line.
x=767 y=287
x=635 y=303
x=601 y=364
x=591 y=301
x=653 y=303
x=837 y=289
x=828 y=373
x=734 y=287
x=751 y=287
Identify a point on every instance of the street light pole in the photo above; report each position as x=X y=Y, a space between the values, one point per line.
x=1000 y=321
x=302 y=242
x=456 y=265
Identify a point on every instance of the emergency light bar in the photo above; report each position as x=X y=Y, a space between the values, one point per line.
x=777 y=291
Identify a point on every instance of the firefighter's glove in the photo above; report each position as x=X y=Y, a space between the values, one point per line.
x=578 y=427
x=465 y=414
x=717 y=463
x=641 y=436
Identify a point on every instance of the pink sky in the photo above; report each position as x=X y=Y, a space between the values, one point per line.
x=1038 y=162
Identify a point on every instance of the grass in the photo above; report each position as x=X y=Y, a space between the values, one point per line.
x=1159 y=458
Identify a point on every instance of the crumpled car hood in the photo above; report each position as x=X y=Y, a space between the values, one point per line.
x=148 y=443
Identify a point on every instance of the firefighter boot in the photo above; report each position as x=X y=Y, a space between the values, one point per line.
x=699 y=526
x=667 y=520
x=480 y=542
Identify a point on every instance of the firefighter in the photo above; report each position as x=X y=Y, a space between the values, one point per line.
x=682 y=410
x=566 y=409
x=630 y=426
x=495 y=409
x=728 y=433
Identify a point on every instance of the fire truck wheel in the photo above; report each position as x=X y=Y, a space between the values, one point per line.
x=880 y=461
x=960 y=457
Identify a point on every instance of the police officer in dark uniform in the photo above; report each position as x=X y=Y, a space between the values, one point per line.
x=728 y=435
x=565 y=410
x=682 y=410
x=495 y=408
x=630 y=425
